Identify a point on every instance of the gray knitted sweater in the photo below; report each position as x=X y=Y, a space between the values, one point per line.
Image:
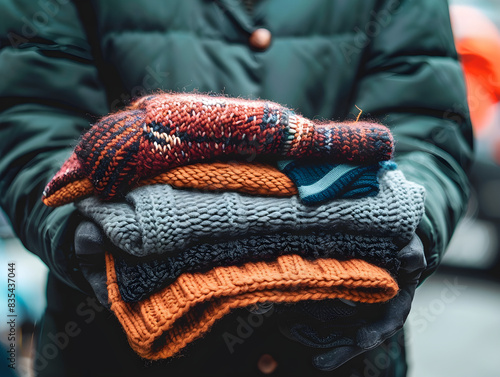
x=159 y=219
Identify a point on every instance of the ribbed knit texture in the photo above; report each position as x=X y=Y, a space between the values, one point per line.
x=158 y=219
x=249 y=178
x=137 y=278
x=318 y=182
x=161 y=325
x=162 y=131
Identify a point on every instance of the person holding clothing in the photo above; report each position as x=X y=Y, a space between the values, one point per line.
x=68 y=63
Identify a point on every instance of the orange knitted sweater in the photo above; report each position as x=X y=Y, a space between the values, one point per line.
x=249 y=178
x=164 y=323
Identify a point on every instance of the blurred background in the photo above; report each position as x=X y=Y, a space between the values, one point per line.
x=454 y=326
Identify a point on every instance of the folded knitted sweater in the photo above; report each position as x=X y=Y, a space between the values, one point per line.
x=160 y=132
x=313 y=182
x=252 y=178
x=158 y=219
x=319 y=181
x=139 y=277
x=163 y=323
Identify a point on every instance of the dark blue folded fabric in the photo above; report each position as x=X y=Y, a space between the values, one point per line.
x=323 y=181
x=139 y=277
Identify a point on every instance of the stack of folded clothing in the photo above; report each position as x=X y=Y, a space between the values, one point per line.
x=197 y=230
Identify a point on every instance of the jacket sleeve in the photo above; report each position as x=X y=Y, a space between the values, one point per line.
x=49 y=93
x=412 y=81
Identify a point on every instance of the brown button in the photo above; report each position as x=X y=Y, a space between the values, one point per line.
x=267 y=364
x=260 y=39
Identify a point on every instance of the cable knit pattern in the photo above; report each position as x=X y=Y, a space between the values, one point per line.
x=162 y=324
x=163 y=131
x=158 y=219
x=137 y=277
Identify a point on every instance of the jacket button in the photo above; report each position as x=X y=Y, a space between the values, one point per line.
x=267 y=364
x=260 y=39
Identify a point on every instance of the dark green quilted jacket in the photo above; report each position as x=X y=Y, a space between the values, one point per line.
x=65 y=63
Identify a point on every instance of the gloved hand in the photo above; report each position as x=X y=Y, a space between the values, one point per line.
x=89 y=250
x=322 y=324
x=388 y=319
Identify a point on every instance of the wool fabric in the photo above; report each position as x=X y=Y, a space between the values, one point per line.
x=253 y=178
x=318 y=182
x=158 y=219
x=313 y=182
x=162 y=131
x=161 y=325
x=139 y=277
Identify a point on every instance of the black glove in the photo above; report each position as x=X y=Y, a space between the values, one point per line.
x=372 y=324
x=320 y=324
x=391 y=316
x=89 y=250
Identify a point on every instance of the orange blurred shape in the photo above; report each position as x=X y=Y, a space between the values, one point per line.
x=477 y=41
